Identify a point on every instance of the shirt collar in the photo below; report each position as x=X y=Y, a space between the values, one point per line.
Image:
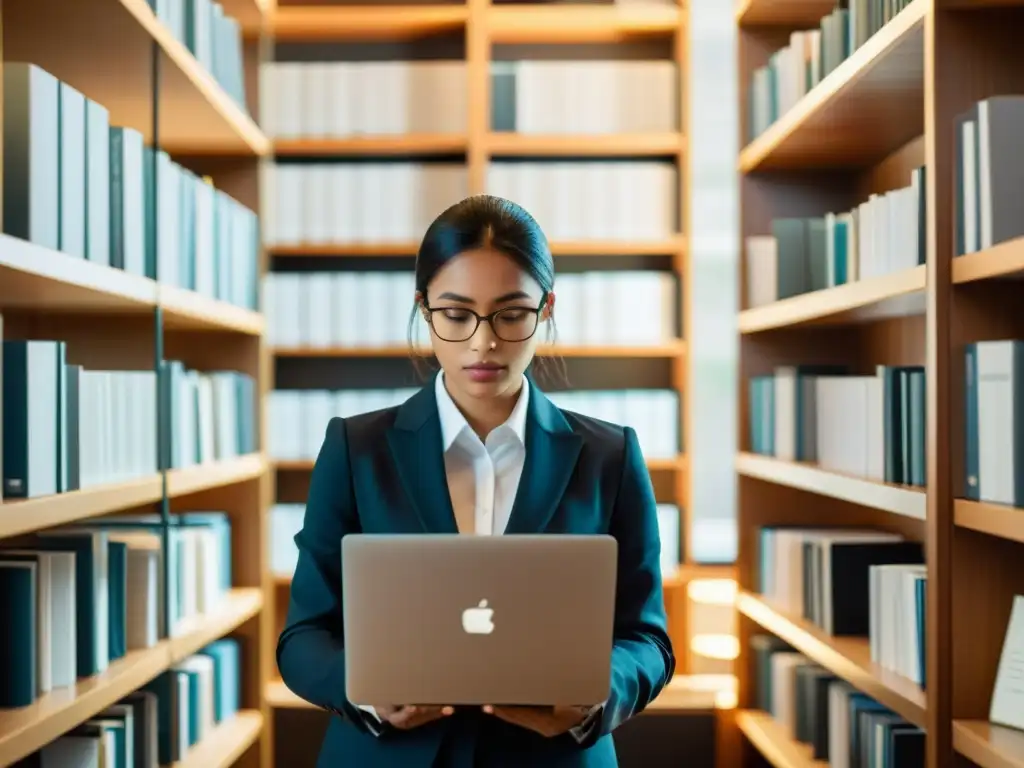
x=453 y=423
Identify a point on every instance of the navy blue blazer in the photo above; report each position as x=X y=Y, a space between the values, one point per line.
x=383 y=472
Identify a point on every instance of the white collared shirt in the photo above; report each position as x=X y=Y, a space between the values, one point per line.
x=483 y=475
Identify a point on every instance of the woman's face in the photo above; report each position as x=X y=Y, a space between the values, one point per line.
x=485 y=281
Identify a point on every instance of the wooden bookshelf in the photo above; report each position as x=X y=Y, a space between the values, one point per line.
x=895 y=295
x=892 y=106
x=672 y=247
x=771 y=740
x=802 y=14
x=889 y=497
x=629 y=145
x=559 y=350
x=847 y=657
x=105 y=50
x=485 y=27
x=120 y=55
x=315 y=23
x=227 y=743
x=399 y=145
x=540 y=23
x=987 y=745
x=871 y=103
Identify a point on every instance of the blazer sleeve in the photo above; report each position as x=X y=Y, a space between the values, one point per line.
x=311 y=648
x=642 y=658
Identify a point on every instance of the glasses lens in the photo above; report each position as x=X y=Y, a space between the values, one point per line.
x=515 y=324
x=457 y=324
x=453 y=324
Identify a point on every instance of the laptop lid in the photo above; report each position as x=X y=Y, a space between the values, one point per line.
x=471 y=620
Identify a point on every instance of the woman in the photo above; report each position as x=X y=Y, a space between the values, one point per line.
x=470 y=445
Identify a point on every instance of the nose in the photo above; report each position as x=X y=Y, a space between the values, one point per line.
x=483 y=337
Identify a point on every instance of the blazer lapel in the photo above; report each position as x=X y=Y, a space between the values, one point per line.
x=415 y=443
x=552 y=449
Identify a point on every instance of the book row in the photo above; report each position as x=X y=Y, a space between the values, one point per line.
x=884 y=234
x=595 y=97
x=77 y=598
x=67 y=427
x=851 y=582
x=341 y=99
x=158 y=724
x=634 y=200
x=75 y=183
x=988 y=172
x=578 y=200
x=372 y=309
x=382 y=201
x=811 y=55
x=213 y=37
x=298 y=418
x=871 y=427
x=842 y=726
x=286 y=522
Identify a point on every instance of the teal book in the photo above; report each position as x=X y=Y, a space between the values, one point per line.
x=19 y=682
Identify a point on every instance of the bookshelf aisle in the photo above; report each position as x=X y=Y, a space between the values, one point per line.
x=508 y=99
x=132 y=538
x=880 y=517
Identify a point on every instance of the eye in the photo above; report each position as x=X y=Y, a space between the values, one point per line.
x=457 y=315
x=514 y=315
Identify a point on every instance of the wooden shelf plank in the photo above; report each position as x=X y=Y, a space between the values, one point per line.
x=660 y=350
x=897 y=295
x=668 y=247
x=898 y=499
x=1003 y=261
x=682 y=693
x=869 y=106
x=226 y=743
x=181 y=482
x=306 y=465
x=542 y=23
x=38 y=278
x=250 y=14
x=993 y=519
x=24 y=516
x=774 y=743
x=803 y=14
x=553 y=145
x=25 y=730
x=988 y=745
x=409 y=144
x=188 y=310
x=238 y=606
x=847 y=657
x=365 y=22
x=104 y=49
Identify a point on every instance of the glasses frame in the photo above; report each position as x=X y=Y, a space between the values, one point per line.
x=489 y=318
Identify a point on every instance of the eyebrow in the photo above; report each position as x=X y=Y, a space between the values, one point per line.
x=501 y=299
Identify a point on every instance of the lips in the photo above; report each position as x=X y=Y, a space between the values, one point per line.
x=484 y=372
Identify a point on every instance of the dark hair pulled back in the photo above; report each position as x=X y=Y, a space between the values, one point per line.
x=486 y=221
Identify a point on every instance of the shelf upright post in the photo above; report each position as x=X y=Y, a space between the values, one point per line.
x=162 y=396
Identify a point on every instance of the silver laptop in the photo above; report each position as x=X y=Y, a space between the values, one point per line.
x=471 y=620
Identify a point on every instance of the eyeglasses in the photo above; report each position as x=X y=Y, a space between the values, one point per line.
x=509 y=323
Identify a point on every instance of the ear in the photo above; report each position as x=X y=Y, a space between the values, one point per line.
x=421 y=303
x=549 y=307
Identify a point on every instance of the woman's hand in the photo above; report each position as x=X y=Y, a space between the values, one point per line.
x=547 y=721
x=407 y=717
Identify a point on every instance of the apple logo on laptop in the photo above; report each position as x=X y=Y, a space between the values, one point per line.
x=478 y=620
